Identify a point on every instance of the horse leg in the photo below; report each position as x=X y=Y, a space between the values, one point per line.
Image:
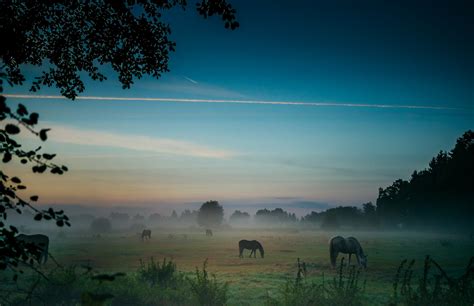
x=251 y=251
x=334 y=259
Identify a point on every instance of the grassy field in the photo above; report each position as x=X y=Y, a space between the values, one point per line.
x=251 y=280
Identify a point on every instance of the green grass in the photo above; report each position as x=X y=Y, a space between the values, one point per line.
x=251 y=280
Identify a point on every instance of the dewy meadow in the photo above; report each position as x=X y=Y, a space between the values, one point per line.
x=220 y=152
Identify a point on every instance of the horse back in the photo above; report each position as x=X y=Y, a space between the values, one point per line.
x=353 y=244
x=38 y=239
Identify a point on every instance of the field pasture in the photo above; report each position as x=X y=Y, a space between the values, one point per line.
x=251 y=280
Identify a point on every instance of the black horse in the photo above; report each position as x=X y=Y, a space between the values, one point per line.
x=252 y=245
x=146 y=234
x=40 y=241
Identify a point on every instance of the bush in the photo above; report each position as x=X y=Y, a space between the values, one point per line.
x=61 y=287
x=153 y=273
x=439 y=289
x=207 y=291
x=72 y=286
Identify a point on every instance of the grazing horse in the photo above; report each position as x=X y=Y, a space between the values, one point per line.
x=41 y=241
x=349 y=246
x=252 y=245
x=209 y=233
x=146 y=234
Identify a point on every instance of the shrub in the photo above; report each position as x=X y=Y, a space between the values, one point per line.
x=207 y=291
x=439 y=289
x=153 y=273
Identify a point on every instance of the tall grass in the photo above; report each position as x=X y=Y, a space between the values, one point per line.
x=434 y=287
x=207 y=291
x=344 y=289
x=154 y=283
x=155 y=274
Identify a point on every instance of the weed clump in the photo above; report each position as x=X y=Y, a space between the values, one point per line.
x=207 y=291
x=432 y=289
x=154 y=273
x=344 y=289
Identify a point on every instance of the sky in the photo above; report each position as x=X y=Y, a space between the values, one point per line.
x=306 y=105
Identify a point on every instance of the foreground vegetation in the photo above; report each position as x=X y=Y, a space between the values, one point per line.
x=92 y=267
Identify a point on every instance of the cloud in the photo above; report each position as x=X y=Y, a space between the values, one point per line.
x=231 y=101
x=72 y=135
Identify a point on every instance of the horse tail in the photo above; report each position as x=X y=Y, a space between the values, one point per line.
x=331 y=253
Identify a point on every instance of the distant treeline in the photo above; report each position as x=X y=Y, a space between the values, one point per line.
x=441 y=196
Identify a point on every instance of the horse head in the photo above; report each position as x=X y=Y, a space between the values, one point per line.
x=262 y=252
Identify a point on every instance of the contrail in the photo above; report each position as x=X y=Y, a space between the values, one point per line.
x=190 y=80
x=229 y=101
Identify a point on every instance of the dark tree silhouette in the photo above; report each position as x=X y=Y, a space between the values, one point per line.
x=442 y=194
x=66 y=38
x=210 y=214
x=275 y=216
x=188 y=216
x=238 y=216
x=69 y=37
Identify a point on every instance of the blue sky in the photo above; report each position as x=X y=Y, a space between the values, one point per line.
x=416 y=54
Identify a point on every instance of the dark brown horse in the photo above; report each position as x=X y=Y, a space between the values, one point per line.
x=349 y=246
x=252 y=245
x=146 y=234
x=208 y=233
x=41 y=241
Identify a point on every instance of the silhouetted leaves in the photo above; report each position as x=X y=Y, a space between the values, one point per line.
x=39 y=169
x=7 y=157
x=32 y=119
x=21 y=111
x=48 y=156
x=110 y=33
x=34 y=198
x=42 y=134
x=12 y=129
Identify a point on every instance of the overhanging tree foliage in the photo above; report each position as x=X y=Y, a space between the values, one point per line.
x=65 y=39
x=70 y=37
